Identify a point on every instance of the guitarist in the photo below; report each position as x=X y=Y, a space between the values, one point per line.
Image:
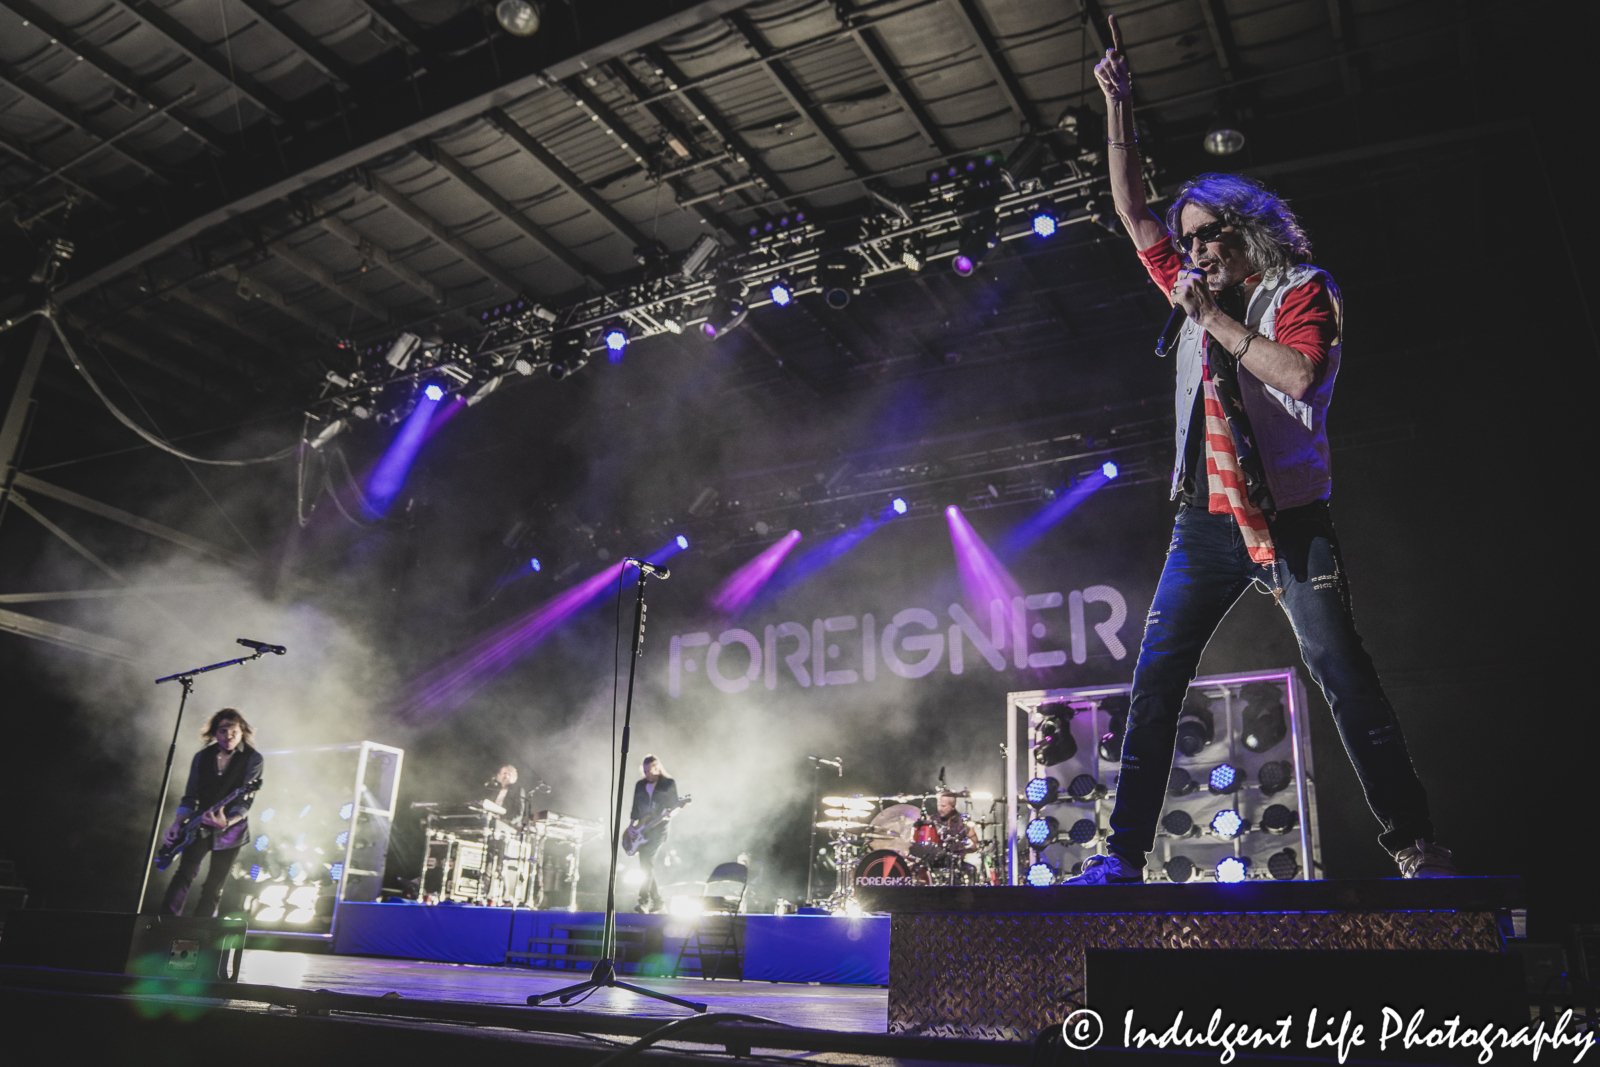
x=652 y=795
x=226 y=762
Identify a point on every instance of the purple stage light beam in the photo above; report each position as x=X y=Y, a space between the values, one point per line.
x=984 y=579
x=739 y=588
x=453 y=682
x=389 y=474
x=1031 y=529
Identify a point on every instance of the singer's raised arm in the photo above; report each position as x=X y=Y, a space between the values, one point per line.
x=1127 y=183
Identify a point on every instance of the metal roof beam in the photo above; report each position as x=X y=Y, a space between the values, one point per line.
x=123 y=343
x=639 y=149
x=328 y=279
x=794 y=93
x=118 y=75
x=485 y=266
x=1095 y=24
x=195 y=50
x=21 y=152
x=971 y=20
x=718 y=125
x=1341 y=18
x=508 y=211
x=373 y=253
x=459 y=90
x=184 y=336
x=883 y=66
x=570 y=181
x=63 y=111
x=313 y=51
x=269 y=295
x=1216 y=14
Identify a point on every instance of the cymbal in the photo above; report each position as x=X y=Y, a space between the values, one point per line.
x=843 y=813
x=894 y=824
x=839 y=824
x=860 y=803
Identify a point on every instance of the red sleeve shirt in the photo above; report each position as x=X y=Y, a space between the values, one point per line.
x=1306 y=320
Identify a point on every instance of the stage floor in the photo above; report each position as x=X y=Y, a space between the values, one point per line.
x=858 y=1009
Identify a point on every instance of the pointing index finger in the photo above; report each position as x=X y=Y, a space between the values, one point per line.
x=1116 y=33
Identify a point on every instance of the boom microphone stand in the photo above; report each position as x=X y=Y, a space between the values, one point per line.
x=604 y=974
x=185 y=679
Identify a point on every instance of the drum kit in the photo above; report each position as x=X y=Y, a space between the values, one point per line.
x=892 y=840
x=474 y=855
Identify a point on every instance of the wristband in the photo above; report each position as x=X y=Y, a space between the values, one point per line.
x=1126 y=146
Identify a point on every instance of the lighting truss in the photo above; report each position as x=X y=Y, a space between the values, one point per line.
x=517 y=337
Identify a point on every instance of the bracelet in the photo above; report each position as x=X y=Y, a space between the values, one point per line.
x=1244 y=346
x=1126 y=146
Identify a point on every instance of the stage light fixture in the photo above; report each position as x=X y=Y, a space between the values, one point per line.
x=1178 y=823
x=1040 y=874
x=1179 y=869
x=682 y=541
x=839 y=274
x=782 y=292
x=336 y=872
x=1232 y=869
x=1116 y=709
x=519 y=18
x=1283 y=865
x=1045 y=223
x=1180 y=783
x=1277 y=819
x=261 y=842
x=1227 y=823
x=1040 y=832
x=900 y=506
x=1041 y=791
x=1224 y=778
x=1109 y=469
x=979 y=236
x=1263 y=721
x=1053 y=742
x=725 y=311
x=616 y=342
x=913 y=253
x=347 y=809
x=567 y=356
x=1084 y=787
x=1275 y=777
x=433 y=391
x=1196 y=727
x=1223 y=138
x=266 y=816
x=297 y=871
x=329 y=432
x=1083 y=831
x=534 y=565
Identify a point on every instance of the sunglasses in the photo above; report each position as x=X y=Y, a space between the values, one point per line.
x=1205 y=235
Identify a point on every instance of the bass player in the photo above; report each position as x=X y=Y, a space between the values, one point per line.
x=653 y=796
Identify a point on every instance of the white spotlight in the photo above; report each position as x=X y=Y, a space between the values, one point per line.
x=519 y=18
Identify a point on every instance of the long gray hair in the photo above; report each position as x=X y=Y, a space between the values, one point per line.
x=1272 y=235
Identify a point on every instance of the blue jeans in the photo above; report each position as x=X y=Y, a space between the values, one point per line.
x=1207 y=570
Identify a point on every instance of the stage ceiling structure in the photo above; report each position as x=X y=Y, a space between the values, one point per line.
x=255 y=191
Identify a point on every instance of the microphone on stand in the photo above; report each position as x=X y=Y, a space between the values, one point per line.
x=649 y=568
x=262 y=646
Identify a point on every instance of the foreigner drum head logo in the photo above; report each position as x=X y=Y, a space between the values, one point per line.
x=887 y=867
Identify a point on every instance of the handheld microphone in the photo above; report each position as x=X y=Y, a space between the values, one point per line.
x=649 y=568
x=262 y=646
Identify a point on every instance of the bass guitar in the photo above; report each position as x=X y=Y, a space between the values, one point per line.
x=634 y=836
x=192 y=827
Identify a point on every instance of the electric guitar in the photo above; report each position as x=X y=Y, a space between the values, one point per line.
x=191 y=827
x=633 y=836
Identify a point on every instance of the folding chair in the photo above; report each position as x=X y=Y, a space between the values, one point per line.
x=716 y=932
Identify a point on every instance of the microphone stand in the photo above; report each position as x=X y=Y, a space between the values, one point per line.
x=185 y=679
x=604 y=975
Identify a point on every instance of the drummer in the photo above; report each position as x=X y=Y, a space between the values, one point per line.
x=954 y=825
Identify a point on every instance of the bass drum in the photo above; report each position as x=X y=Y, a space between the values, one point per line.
x=889 y=867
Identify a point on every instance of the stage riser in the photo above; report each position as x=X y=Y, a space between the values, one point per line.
x=1007 y=977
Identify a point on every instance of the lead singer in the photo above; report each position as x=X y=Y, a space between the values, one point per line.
x=1256 y=363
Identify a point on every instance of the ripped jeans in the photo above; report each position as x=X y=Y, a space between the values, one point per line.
x=1207 y=570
